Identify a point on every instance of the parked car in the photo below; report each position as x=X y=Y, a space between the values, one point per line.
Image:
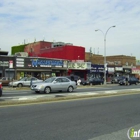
x=25 y=81
x=5 y=81
x=131 y=80
x=54 y=84
x=117 y=79
x=94 y=81
x=76 y=78
x=73 y=77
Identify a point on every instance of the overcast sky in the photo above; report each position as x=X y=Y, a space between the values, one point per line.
x=73 y=21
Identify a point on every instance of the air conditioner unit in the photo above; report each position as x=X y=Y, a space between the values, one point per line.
x=23 y=54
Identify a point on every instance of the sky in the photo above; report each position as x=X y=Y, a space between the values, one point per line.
x=73 y=21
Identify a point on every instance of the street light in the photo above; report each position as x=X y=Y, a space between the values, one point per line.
x=105 y=50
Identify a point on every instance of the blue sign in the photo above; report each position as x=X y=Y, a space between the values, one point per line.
x=47 y=63
x=97 y=68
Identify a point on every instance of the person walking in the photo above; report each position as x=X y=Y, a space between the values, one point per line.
x=126 y=81
x=79 y=82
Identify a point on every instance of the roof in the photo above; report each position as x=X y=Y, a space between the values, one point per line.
x=3 y=53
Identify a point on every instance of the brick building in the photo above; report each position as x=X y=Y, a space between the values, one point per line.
x=119 y=60
x=116 y=65
x=58 y=50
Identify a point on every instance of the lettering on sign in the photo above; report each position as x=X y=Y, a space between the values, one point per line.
x=79 y=65
x=4 y=63
x=47 y=63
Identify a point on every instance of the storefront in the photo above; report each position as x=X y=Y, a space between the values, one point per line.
x=127 y=71
x=7 y=67
x=136 y=72
x=42 y=68
x=96 y=71
x=79 y=68
x=118 y=71
x=110 y=73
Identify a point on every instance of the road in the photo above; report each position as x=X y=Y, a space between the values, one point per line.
x=10 y=92
x=88 y=119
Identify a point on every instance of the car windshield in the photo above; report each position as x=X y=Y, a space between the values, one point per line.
x=23 y=79
x=50 y=80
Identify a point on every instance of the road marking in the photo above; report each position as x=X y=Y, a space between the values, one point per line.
x=111 y=91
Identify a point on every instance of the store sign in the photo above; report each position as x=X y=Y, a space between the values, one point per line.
x=78 y=65
x=65 y=64
x=135 y=71
x=118 y=69
x=88 y=65
x=127 y=71
x=110 y=70
x=19 y=62
x=4 y=63
x=114 y=62
x=11 y=64
x=46 y=63
x=97 y=68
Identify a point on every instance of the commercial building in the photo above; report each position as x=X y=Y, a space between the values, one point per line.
x=116 y=65
x=16 y=67
x=58 y=50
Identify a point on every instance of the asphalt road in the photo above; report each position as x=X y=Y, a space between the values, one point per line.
x=91 y=119
x=10 y=92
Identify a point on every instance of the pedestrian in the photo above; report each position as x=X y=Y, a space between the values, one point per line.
x=79 y=82
x=126 y=81
x=31 y=82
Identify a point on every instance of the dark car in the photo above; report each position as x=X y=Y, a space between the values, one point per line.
x=131 y=80
x=116 y=80
x=0 y=89
x=94 y=81
x=73 y=78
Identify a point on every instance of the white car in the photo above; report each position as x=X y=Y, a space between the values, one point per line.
x=54 y=84
x=25 y=81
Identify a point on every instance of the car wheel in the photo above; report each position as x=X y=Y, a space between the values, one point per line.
x=70 y=89
x=47 y=90
x=20 y=85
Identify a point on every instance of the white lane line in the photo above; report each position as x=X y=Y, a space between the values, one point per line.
x=111 y=91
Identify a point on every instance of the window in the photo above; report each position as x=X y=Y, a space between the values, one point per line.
x=65 y=80
x=58 y=80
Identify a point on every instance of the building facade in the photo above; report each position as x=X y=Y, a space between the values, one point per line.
x=42 y=68
x=58 y=50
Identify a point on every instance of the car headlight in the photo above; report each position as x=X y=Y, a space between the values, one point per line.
x=40 y=86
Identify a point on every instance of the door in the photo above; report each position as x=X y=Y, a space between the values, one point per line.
x=65 y=83
x=56 y=85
